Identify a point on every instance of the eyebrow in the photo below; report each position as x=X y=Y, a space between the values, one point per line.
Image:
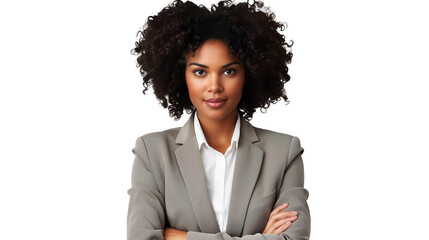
x=224 y=66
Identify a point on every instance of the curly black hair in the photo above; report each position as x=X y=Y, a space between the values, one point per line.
x=250 y=30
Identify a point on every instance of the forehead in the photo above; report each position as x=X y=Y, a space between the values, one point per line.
x=212 y=51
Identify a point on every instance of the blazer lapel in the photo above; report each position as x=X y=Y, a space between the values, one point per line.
x=192 y=169
x=246 y=172
x=247 y=166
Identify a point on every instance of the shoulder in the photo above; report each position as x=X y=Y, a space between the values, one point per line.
x=161 y=136
x=269 y=135
x=281 y=143
x=156 y=140
x=273 y=137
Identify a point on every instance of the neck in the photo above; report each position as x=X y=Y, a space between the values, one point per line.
x=218 y=132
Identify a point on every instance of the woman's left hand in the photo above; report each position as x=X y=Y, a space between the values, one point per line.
x=174 y=234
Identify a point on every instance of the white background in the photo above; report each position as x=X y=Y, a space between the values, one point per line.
x=71 y=109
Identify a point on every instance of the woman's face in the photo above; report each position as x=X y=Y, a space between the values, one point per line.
x=215 y=80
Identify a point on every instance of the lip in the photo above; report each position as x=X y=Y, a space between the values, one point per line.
x=215 y=102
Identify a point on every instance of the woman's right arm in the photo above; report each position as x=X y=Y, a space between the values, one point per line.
x=146 y=215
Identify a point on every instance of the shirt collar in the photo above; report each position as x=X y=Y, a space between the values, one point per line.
x=201 y=139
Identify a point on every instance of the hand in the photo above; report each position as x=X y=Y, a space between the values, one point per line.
x=280 y=221
x=174 y=234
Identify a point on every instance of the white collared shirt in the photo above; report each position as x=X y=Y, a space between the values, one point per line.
x=219 y=170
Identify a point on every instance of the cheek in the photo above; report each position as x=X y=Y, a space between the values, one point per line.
x=236 y=89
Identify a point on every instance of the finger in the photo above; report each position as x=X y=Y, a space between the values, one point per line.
x=293 y=218
x=273 y=225
x=289 y=213
x=276 y=216
x=279 y=208
x=278 y=224
x=282 y=215
x=282 y=228
x=283 y=221
x=270 y=227
x=285 y=214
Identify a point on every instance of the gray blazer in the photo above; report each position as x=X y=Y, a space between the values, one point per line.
x=169 y=186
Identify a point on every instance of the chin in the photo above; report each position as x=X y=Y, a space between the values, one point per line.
x=216 y=114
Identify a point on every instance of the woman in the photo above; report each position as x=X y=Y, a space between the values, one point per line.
x=217 y=177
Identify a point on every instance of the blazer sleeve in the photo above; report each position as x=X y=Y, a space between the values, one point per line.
x=292 y=191
x=146 y=215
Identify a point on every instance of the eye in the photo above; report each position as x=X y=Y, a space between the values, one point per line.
x=199 y=72
x=229 y=71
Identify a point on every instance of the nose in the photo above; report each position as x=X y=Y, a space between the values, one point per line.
x=215 y=83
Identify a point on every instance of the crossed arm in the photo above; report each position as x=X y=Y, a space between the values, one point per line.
x=277 y=223
x=147 y=221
